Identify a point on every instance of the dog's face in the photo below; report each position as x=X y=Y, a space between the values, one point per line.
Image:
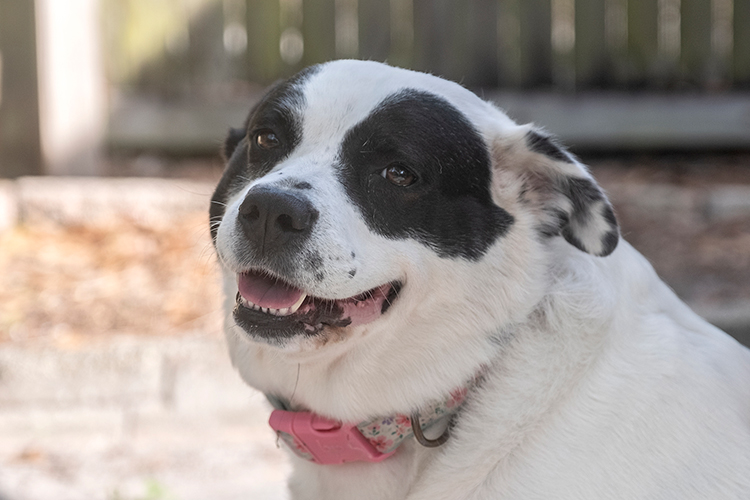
x=363 y=200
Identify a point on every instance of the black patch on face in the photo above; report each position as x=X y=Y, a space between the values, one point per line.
x=277 y=111
x=545 y=145
x=449 y=207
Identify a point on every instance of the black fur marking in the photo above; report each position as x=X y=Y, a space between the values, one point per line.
x=449 y=208
x=302 y=185
x=233 y=139
x=547 y=146
x=314 y=262
x=571 y=238
x=352 y=273
x=583 y=193
x=609 y=216
x=609 y=243
x=558 y=219
x=277 y=110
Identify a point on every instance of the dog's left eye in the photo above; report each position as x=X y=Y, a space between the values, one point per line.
x=398 y=175
x=266 y=139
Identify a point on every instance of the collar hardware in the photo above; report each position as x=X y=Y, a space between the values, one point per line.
x=416 y=428
x=322 y=440
x=326 y=441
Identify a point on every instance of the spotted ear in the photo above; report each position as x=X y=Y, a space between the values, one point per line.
x=571 y=203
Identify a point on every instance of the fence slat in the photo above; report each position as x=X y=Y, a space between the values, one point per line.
x=374 y=30
x=643 y=42
x=263 y=32
x=695 y=40
x=430 y=37
x=482 y=54
x=591 y=58
x=508 y=42
x=535 y=42
x=20 y=143
x=319 y=31
x=741 y=65
x=458 y=40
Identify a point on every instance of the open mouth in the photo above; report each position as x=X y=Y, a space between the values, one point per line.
x=266 y=303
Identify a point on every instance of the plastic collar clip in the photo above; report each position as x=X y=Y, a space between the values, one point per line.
x=322 y=440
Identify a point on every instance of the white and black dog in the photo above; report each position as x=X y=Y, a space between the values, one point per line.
x=400 y=259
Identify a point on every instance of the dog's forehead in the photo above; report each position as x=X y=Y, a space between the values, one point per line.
x=341 y=94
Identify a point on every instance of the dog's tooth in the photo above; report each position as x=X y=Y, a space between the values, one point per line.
x=282 y=312
x=293 y=308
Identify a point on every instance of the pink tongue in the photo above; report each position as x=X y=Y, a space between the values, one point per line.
x=265 y=291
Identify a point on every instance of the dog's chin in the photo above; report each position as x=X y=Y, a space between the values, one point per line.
x=273 y=311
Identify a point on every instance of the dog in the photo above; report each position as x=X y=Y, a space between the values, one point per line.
x=438 y=304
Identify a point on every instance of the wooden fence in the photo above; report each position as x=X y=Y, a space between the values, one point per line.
x=567 y=44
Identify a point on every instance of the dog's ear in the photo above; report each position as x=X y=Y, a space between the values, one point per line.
x=569 y=202
x=230 y=143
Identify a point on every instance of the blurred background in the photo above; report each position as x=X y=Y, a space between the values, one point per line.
x=114 y=380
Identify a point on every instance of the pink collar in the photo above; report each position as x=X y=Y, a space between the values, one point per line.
x=325 y=441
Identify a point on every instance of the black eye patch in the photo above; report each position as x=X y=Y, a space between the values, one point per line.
x=450 y=207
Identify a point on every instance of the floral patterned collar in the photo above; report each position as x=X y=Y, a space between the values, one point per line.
x=325 y=441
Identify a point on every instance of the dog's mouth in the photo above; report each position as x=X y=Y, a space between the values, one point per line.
x=269 y=306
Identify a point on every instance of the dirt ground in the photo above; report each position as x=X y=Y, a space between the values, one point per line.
x=135 y=279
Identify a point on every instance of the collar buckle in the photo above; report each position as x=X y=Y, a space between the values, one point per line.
x=322 y=440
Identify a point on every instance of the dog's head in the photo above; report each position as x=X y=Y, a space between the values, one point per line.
x=361 y=199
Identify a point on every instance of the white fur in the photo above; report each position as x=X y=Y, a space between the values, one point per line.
x=601 y=383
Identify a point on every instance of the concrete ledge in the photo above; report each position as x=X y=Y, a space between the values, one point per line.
x=636 y=122
x=157 y=202
x=107 y=386
x=93 y=201
x=113 y=418
x=720 y=202
x=588 y=121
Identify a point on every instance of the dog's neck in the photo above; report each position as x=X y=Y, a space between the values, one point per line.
x=325 y=441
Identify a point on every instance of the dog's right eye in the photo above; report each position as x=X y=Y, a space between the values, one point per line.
x=398 y=175
x=266 y=139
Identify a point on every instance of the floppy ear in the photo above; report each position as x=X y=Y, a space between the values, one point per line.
x=569 y=201
x=234 y=137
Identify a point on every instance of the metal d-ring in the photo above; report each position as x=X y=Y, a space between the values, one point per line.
x=416 y=427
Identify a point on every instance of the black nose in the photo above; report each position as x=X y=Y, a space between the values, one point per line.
x=271 y=218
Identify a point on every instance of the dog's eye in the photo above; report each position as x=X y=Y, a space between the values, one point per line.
x=266 y=139
x=398 y=175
